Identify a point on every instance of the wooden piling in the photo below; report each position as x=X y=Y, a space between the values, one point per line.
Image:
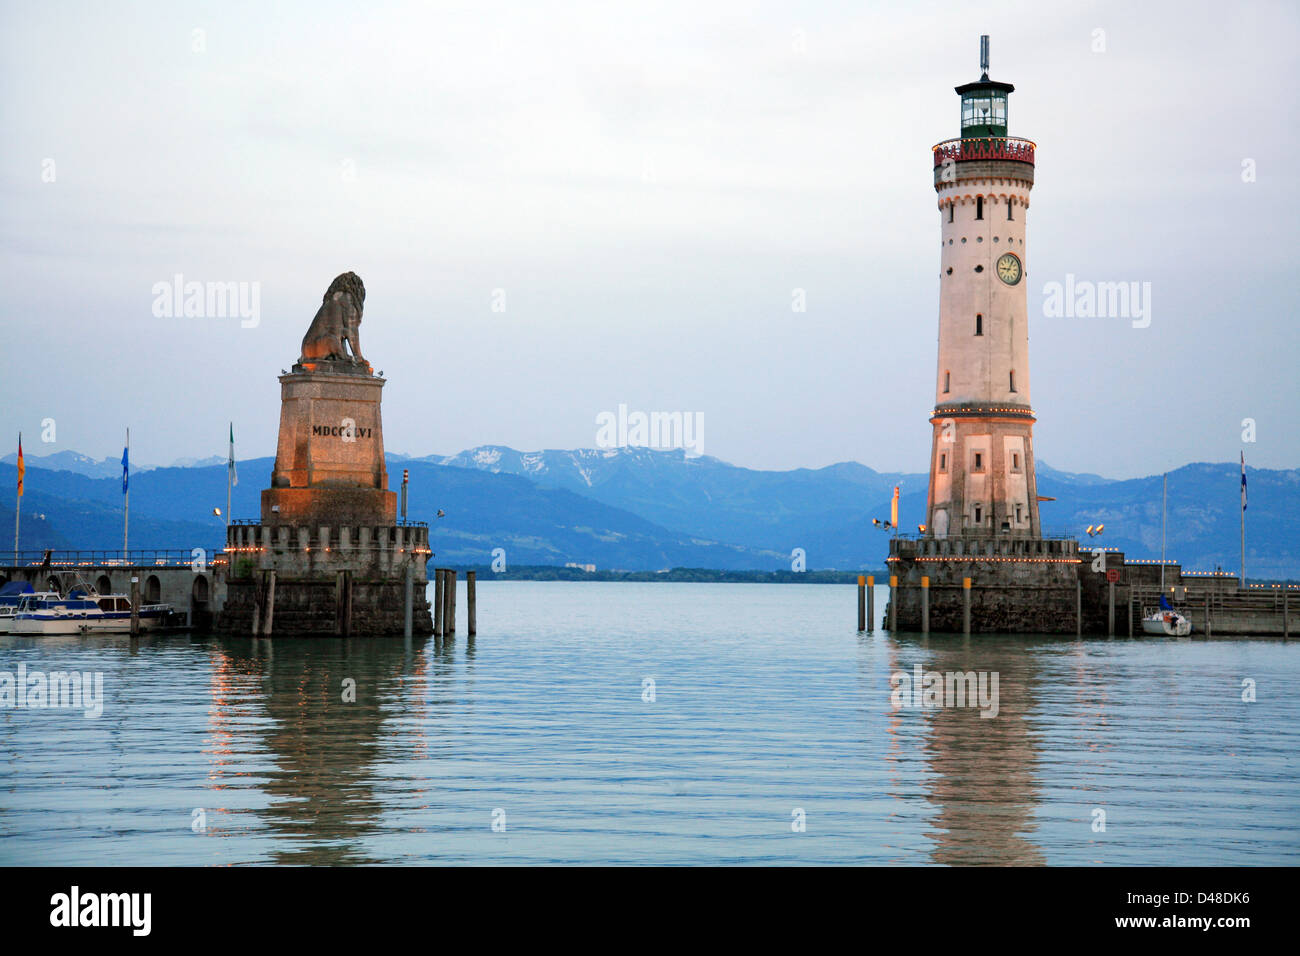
x=1078 y=607
x=965 y=606
x=259 y=591
x=270 y=606
x=135 y=605
x=347 y=603
x=925 y=604
x=438 y=585
x=449 y=607
x=871 y=603
x=893 y=602
x=408 y=602
x=862 y=603
x=1286 y=611
x=1110 y=614
x=338 y=602
x=1130 y=610
x=471 y=604
x=1209 y=628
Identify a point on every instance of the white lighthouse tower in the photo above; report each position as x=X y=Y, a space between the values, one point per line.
x=982 y=464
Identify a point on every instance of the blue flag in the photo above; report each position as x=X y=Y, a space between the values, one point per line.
x=1164 y=604
x=1243 y=481
x=126 y=468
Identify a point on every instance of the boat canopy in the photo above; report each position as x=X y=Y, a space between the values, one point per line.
x=16 y=587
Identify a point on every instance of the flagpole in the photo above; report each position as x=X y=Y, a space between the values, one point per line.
x=1164 y=511
x=1243 y=520
x=232 y=458
x=18 y=499
x=126 y=493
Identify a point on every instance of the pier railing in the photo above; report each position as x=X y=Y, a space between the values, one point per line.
x=134 y=558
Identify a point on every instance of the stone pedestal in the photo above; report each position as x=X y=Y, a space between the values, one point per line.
x=329 y=464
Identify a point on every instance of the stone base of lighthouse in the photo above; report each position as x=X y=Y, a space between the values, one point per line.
x=1018 y=585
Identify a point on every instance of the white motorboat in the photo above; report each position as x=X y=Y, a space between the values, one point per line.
x=82 y=613
x=11 y=595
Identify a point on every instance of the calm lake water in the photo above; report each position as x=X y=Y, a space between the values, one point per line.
x=768 y=709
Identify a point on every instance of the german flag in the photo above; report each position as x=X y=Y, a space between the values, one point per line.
x=22 y=466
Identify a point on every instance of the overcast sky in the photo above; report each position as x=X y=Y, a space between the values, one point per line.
x=648 y=184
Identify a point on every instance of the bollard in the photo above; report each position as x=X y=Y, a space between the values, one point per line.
x=1110 y=587
x=965 y=606
x=862 y=603
x=438 y=585
x=871 y=603
x=135 y=605
x=449 y=608
x=471 y=604
x=270 y=605
x=925 y=604
x=893 y=602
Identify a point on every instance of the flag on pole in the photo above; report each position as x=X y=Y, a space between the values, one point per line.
x=1243 y=481
x=22 y=466
x=230 y=464
x=126 y=468
x=893 y=508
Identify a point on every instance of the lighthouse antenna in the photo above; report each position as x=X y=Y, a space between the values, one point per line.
x=984 y=55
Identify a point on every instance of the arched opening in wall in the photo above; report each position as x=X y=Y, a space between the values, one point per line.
x=1013 y=380
x=952 y=206
x=979 y=516
x=979 y=207
x=153 y=590
x=103 y=584
x=1009 y=216
x=947 y=380
x=943 y=461
x=979 y=324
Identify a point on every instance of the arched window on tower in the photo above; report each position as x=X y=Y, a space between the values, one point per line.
x=951 y=207
x=1013 y=380
x=1010 y=218
x=947 y=380
x=979 y=324
x=979 y=207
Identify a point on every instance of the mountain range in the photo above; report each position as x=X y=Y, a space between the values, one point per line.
x=642 y=509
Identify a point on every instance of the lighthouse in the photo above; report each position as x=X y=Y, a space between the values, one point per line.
x=982 y=459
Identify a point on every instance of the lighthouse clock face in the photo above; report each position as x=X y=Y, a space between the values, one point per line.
x=1009 y=269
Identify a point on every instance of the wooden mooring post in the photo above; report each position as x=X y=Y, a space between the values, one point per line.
x=871 y=603
x=862 y=603
x=1110 y=613
x=270 y=606
x=449 y=604
x=1078 y=608
x=135 y=605
x=408 y=599
x=925 y=604
x=347 y=603
x=438 y=585
x=965 y=606
x=893 y=602
x=1286 y=611
x=471 y=604
x=1209 y=628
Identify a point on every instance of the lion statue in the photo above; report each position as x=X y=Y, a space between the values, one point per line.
x=337 y=323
